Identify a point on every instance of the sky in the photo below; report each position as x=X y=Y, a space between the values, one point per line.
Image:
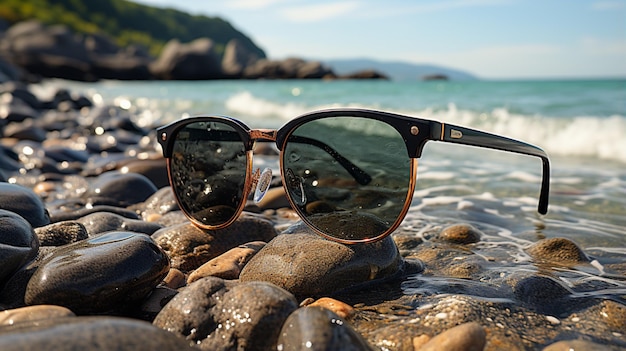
x=495 y=39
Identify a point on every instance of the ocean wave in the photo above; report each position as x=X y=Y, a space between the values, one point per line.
x=601 y=137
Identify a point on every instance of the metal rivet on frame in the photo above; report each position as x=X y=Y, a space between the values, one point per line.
x=164 y=136
x=415 y=130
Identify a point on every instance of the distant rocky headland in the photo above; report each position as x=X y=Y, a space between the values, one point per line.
x=30 y=50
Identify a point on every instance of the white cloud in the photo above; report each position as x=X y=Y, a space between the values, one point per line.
x=598 y=46
x=608 y=5
x=252 y=4
x=318 y=12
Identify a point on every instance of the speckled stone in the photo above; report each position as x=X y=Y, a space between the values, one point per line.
x=18 y=243
x=216 y=314
x=317 y=328
x=24 y=202
x=307 y=265
x=460 y=234
x=576 y=345
x=557 y=250
x=89 y=334
x=100 y=274
x=189 y=247
x=61 y=233
x=540 y=292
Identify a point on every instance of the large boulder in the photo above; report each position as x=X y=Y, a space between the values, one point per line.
x=53 y=51
x=196 y=60
x=290 y=68
x=236 y=58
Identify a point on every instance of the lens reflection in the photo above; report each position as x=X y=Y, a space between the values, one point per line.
x=208 y=171
x=348 y=176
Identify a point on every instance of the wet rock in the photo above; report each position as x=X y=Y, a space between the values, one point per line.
x=227 y=265
x=101 y=222
x=155 y=170
x=215 y=314
x=174 y=279
x=541 y=292
x=189 y=247
x=317 y=328
x=196 y=60
x=557 y=250
x=62 y=233
x=24 y=202
x=105 y=273
x=460 y=234
x=342 y=309
x=306 y=264
x=73 y=214
x=570 y=345
x=13 y=291
x=158 y=204
x=33 y=313
x=89 y=333
x=614 y=314
x=18 y=243
x=465 y=337
x=122 y=189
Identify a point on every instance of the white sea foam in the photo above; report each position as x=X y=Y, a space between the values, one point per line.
x=582 y=136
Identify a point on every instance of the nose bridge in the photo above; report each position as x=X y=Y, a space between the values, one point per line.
x=263 y=134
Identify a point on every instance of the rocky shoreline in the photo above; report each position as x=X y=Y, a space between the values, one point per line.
x=95 y=254
x=36 y=50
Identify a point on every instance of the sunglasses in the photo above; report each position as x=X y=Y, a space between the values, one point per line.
x=350 y=174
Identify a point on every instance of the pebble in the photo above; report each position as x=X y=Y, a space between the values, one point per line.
x=189 y=247
x=90 y=334
x=33 y=313
x=61 y=233
x=465 y=337
x=24 y=202
x=100 y=274
x=557 y=250
x=227 y=265
x=102 y=222
x=317 y=328
x=120 y=189
x=306 y=264
x=578 y=345
x=541 y=292
x=340 y=308
x=217 y=314
x=18 y=243
x=460 y=234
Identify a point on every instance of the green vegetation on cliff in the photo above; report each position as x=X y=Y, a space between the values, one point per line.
x=126 y=22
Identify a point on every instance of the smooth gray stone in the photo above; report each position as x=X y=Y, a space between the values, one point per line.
x=101 y=222
x=89 y=334
x=18 y=243
x=24 y=202
x=316 y=328
x=104 y=273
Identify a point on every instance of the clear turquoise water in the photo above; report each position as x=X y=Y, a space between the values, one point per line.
x=580 y=123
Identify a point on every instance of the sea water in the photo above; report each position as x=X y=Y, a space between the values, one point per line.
x=581 y=124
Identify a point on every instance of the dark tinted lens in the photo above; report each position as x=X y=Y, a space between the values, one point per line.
x=208 y=171
x=348 y=176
